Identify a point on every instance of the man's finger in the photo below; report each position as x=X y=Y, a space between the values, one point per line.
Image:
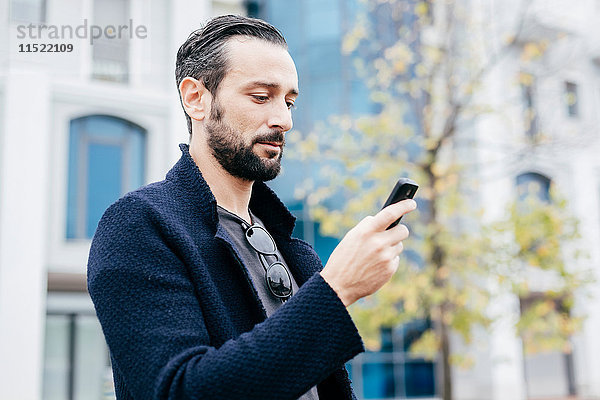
x=391 y=213
x=397 y=234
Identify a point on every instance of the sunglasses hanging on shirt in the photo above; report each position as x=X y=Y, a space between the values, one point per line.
x=277 y=275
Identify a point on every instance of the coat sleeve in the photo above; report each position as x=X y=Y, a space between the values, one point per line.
x=154 y=326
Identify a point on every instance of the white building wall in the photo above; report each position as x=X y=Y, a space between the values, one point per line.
x=586 y=203
x=24 y=180
x=39 y=95
x=568 y=156
x=499 y=138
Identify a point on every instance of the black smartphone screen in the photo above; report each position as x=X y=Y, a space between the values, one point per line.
x=405 y=189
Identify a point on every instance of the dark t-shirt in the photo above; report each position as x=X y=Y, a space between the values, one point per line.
x=250 y=258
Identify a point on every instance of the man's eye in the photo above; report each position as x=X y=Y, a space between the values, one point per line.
x=260 y=99
x=290 y=104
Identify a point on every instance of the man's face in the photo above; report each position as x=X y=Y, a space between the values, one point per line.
x=251 y=110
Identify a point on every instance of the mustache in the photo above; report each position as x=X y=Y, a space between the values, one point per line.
x=273 y=136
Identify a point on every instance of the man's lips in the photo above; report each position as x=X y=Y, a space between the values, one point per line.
x=271 y=144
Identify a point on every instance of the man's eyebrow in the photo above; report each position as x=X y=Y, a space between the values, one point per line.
x=270 y=85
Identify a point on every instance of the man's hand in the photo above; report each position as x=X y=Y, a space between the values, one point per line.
x=368 y=255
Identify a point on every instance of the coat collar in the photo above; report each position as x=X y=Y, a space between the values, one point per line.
x=263 y=201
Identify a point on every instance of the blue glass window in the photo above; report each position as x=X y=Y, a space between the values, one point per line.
x=533 y=184
x=106 y=160
x=310 y=231
x=280 y=11
x=419 y=379
x=324 y=62
x=378 y=380
x=328 y=81
x=393 y=372
x=330 y=85
x=324 y=99
x=324 y=20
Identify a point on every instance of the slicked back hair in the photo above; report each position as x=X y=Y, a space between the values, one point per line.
x=203 y=56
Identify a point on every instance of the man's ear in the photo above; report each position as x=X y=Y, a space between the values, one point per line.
x=195 y=97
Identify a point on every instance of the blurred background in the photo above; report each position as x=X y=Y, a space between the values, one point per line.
x=493 y=107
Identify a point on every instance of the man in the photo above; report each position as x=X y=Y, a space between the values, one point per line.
x=199 y=287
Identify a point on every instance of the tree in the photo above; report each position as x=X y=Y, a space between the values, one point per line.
x=427 y=84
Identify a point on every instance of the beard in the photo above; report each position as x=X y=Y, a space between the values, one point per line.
x=237 y=158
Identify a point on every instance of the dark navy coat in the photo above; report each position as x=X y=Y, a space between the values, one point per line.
x=181 y=317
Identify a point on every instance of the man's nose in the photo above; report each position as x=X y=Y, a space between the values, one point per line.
x=280 y=117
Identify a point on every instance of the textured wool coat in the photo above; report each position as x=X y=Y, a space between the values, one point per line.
x=179 y=312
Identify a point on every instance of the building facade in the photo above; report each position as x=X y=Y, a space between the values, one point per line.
x=85 y=116
x=545 y=91
x=549 y=134
x=98 y=115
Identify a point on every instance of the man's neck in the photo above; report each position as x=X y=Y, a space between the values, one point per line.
x=232 y=193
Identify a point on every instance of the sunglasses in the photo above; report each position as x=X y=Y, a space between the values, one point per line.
x=277 y=275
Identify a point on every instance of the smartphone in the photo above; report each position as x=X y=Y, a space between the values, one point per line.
x=405 y=189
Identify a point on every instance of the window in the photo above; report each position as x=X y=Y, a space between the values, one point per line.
x=33 y=11
x=253 y=8
x=430 y=15
x=324 y=19
x=106 y=160
x=393 y=372
x=111 y=55
x=529 y=107
x=549 y=374
x=534 y=187
x=533 y=184
x=572 y=99
x=314 y=40
x=76 y=359
x=309 y=230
